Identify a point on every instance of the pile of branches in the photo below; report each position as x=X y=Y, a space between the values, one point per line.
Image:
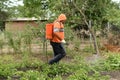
x=114 y=40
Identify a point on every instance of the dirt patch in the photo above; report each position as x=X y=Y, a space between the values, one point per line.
x=112 y=48
x=114 y=75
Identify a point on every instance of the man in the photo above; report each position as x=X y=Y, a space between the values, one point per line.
x=58 y=39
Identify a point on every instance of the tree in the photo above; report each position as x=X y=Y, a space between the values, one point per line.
x=113 y=14
x=77 y=11
x=3 y=13
x=36 y=8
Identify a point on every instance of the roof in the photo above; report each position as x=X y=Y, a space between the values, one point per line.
x=25 y=19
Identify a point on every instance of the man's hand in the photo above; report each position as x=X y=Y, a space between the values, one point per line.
x=63 y=41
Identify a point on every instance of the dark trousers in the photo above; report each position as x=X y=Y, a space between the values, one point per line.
x=59 y=52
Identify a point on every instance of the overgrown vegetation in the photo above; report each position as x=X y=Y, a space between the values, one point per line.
x=22 y=53
x=24 y=65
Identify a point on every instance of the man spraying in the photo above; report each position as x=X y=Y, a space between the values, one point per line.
x=58 y=39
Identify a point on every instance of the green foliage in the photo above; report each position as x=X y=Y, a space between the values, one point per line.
x=75 y=69
x=2 y=42
x=56 y=70
x=83 y=71
x=88 y=49
x=31 y=75
x=111 y=63
x=81 y=74
x=99 y=10
x=36 y=8
x=112 y=14
x=14 y=42
x=10 y=39
x=4 y=13
x=69 y=34
x=7 y=70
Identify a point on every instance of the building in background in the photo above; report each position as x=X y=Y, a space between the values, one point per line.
x=20 y=23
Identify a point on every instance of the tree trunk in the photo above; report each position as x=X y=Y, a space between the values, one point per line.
x=95 y=43
x=92 y=32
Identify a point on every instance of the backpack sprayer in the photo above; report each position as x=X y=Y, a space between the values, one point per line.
x=48 y=36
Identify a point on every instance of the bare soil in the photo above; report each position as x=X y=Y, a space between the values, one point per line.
x=114 y=75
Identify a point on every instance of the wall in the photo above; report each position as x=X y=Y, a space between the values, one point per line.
x=18 y=25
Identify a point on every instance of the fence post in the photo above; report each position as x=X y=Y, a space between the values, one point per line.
x=90 y=33
x=45 y=46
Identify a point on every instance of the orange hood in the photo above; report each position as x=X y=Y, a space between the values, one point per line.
x=62 y=17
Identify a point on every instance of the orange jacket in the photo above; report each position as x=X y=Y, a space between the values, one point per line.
x=58 y=29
